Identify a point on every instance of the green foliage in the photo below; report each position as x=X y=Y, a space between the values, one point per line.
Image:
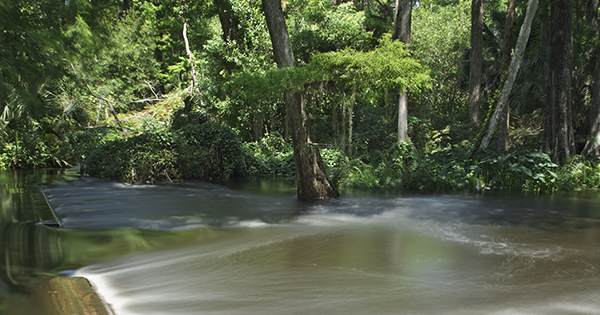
x=440 y=35
x=272 y=156
x=387 y=169
x=389 y=66
x=579 y=173
x=207 y=151
x=318 y=27
x=516 y=170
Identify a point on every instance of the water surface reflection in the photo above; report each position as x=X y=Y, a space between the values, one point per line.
x=451 y=254
x=202 y=248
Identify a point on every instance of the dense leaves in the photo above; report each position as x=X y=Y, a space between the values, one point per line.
x=132 y=54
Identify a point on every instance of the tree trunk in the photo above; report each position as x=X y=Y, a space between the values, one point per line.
x=476 y=66
x=402 y=30
x=311 y=177
x=195 y=88
x=558 y=133
x=229 y=21
x=592 y=147
x=513 y=69
x=504 y=124
x=592 y=12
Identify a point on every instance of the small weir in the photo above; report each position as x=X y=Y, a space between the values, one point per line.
x=203 y=248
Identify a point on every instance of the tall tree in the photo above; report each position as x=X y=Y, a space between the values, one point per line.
x=311 y=177
x=513 y=69
x=402 y=22
x=504 y=124
x=592 y=146
x=476 y=64
x=558 y=132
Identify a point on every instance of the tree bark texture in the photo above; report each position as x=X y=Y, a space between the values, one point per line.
x=504 y=124
x=513 y=69
x=229 y=21
x=402 y=30
x=558 y=133
x=476 y=66
x=592 y=146
x=311 y=177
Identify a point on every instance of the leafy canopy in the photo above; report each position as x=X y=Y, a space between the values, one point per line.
x=389 y=66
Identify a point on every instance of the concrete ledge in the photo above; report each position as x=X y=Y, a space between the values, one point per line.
x=71 y=295
x=43 y=210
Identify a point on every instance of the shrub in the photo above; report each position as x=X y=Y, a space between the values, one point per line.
x=272 y=156
x=517 y=170
x=208 y=151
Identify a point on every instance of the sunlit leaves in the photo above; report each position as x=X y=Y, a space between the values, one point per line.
x=389 y=66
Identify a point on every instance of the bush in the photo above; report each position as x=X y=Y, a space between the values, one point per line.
x=145 y=158
x=517 y=170
x=272 y=156
x=207 y=151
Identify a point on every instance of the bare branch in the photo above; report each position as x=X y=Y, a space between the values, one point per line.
x=110 y=105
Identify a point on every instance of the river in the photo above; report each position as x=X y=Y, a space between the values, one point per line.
x=253 y=248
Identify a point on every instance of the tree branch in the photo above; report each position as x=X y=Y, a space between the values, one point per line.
x=191 y=57
x=110 y=105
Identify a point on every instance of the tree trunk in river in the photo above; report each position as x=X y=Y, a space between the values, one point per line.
x=311 y=177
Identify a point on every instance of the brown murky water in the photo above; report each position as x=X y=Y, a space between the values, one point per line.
x=200 y=248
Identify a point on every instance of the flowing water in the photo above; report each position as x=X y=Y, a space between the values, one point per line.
x=202 y=248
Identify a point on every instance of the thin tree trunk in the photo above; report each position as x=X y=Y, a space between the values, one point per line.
x=195 y=89
x=504 y=124
x=344 y=128
x=311 y=177
x=402 y=30
x=558 y=130
x=476 y=66
x=350 y=121
x=513 y=69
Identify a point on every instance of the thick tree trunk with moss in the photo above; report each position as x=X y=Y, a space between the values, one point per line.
x=311 y=177
x=476 y=65
x=558 y=132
